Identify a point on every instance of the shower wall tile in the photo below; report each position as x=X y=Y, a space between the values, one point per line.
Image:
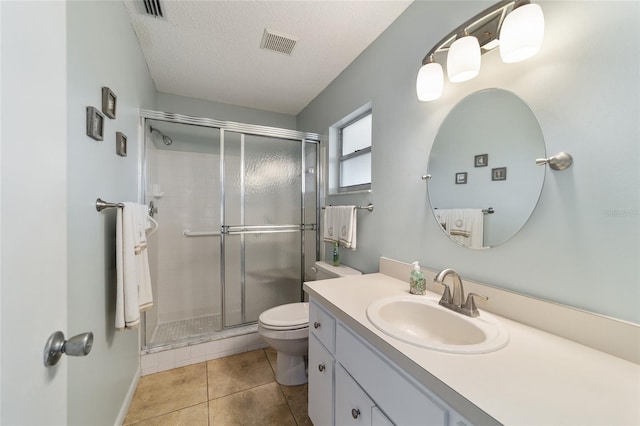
x=166 y=360
x=193 y=354
x=187 y=270
x=149 y=364
x=212 y=348
x=255 y=341
x=198 y=351
x=182 y=354
x=198 y=360
x=233 y=343
x=184 y=363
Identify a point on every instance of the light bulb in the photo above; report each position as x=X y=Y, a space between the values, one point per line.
x=463 y=60
x=430 y=82
x=522 y=33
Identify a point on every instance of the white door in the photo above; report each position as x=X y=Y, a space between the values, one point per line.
x=33 y=250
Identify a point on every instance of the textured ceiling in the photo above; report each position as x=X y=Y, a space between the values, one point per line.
x=211 y=49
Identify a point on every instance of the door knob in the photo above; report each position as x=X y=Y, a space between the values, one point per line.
x=79 y=345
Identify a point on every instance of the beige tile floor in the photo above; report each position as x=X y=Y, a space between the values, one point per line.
x=235 y=390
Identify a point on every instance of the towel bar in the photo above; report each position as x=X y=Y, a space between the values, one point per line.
x=490 y=210
x=367 y=207
x=101 y=205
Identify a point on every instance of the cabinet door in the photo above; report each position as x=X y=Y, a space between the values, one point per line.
x=353 y=406
x=402 y=402
x=379 y=419
x=321 y=366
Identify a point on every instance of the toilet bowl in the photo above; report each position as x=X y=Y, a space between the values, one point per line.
x=286 y=329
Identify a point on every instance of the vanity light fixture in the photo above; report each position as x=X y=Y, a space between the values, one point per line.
x=463 y=60
x=430 y=81
x=522 y=33
x=517 y=26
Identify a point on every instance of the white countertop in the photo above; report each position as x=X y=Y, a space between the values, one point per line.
x=537 y=379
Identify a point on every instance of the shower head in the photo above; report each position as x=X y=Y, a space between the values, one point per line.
x=165 y=139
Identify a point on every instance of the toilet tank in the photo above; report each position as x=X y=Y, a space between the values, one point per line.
x=325 y=271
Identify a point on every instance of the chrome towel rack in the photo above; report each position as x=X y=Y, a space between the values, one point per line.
x=490 y=210
x=367 y=207
x=101 y=205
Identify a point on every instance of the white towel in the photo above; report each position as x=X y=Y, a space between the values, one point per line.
x=133 y=280
x=340 y=224
x=142 y=259
x=441 y=217
x=466 y=226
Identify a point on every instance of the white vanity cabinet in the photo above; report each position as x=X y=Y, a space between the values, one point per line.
x=321 y=366
x=321 y=375
x=361 y=386
x=353 y=405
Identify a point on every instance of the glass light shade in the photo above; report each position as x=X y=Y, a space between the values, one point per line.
x=430 y=82
x=463 y=60
x=522 y=33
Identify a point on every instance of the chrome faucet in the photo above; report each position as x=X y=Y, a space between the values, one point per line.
x=453 y=299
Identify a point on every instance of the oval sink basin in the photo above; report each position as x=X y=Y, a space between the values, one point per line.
x=423 y=322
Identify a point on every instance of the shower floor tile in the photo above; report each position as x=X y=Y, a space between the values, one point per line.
x=179 y=330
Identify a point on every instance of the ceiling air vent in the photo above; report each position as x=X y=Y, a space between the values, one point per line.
x=278 y=42
x=154 y=9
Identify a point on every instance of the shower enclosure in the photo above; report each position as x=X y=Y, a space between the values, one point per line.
x=237 y=208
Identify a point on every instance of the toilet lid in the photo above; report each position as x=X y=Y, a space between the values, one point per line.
x=290 y=315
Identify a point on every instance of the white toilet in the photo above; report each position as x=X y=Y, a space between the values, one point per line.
x=286 y=329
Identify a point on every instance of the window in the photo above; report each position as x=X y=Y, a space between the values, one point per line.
x=354 y=159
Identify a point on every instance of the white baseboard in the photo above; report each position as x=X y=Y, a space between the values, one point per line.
x=127 y=400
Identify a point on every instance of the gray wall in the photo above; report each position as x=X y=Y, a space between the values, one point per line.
x=223 y=112
x=580 y=247
x=102 y=51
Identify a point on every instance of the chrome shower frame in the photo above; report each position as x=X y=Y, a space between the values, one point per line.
x=243 y=129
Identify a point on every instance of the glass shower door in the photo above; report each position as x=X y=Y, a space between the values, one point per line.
x=183 y=181
x=262 y=225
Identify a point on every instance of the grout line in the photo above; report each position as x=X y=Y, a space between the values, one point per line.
x=206 y=370
x=167 y=413
x=244 y=390
x=288 y=405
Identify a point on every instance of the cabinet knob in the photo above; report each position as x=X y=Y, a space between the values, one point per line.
x=321 y=367
x=355 y=413
x=316 y=325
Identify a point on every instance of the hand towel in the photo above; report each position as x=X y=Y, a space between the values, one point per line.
x=133 y=283
x=340 y=224
x=466 y=226
x=441 y=217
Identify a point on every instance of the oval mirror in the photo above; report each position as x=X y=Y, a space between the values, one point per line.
x=484 y=181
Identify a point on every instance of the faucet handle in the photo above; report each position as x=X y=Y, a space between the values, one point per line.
x=470 y=304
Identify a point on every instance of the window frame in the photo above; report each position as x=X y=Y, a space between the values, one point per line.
x=354 y=154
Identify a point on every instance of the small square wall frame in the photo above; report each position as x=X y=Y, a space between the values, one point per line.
x=95 y=124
